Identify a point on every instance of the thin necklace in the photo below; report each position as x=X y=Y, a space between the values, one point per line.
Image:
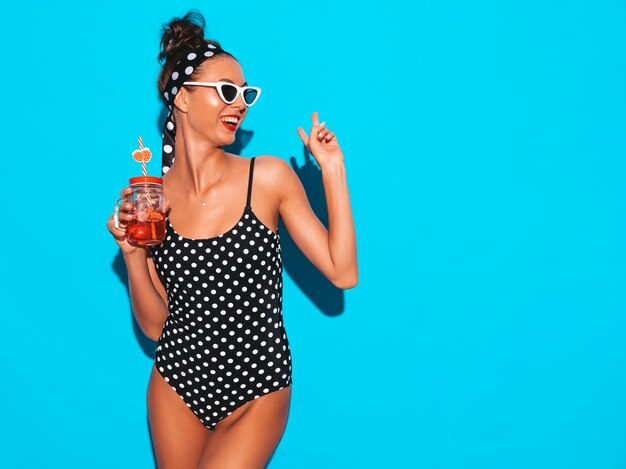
x=211 y=185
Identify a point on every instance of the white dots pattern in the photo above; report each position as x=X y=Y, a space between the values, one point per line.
x=221 y=345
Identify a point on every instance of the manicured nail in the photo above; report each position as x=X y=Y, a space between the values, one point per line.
x=322 y=124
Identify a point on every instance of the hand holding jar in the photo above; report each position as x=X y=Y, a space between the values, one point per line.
x=139 y=217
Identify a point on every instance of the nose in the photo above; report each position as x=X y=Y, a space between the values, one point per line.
x=239 y=103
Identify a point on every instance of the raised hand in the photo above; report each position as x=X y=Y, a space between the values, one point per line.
x=321 y=143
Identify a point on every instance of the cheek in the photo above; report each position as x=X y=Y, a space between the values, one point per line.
x=206 y=110
x=214 y=102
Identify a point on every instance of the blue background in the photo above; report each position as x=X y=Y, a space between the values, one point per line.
x=484 y=147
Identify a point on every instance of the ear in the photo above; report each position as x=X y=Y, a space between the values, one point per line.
x=181 y=100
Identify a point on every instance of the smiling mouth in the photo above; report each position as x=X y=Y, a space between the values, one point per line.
x=230 y=122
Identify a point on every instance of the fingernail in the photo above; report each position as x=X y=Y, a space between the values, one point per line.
x=319 y=134
x=322 y=124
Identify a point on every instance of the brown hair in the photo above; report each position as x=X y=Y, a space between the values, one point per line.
x=181 y=36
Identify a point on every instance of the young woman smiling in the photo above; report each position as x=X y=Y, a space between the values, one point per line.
x=211 y=293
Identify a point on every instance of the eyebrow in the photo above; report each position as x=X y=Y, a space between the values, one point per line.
x=245 y=83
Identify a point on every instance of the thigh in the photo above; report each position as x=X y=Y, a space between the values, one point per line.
x=178 y=436
x=247 y=438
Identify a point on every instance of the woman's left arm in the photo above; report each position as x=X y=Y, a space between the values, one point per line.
x=332 y=251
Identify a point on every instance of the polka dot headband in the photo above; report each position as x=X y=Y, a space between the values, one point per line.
x=182 y=71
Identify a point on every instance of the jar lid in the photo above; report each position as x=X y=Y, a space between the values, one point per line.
x=144 y=179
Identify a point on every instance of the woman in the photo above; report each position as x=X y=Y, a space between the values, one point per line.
x=211 y=293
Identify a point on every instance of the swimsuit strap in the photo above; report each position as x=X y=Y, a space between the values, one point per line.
x=250 y=182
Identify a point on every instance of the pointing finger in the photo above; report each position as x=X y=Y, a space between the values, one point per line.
x=315 y=119
x=303 y=136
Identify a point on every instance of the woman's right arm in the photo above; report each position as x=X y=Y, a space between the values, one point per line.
x=147 y=294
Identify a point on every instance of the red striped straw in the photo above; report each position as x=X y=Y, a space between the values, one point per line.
x=143 y=163
x=145 y=172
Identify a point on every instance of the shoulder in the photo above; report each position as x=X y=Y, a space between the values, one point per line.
x=273 y=170
x=275 y=175
x=271 y=164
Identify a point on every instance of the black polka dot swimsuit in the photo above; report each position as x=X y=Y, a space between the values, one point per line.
x=223 y=343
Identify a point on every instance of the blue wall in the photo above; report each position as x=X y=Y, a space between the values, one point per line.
x=485 y=146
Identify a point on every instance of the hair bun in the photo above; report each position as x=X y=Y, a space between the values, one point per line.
x=182 y=35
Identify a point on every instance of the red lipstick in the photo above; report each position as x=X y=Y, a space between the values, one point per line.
x=232 y=127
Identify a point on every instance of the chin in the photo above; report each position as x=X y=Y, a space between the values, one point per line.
x=229 y=141
x=224 y=139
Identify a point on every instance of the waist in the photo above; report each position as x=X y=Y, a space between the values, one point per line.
x=230 y=337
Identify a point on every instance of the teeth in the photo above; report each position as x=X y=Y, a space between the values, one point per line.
x=230 y=120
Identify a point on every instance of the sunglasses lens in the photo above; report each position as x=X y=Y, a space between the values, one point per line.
x=229 y=92
x=250 y=95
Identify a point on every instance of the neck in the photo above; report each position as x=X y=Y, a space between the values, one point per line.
x=199 y=164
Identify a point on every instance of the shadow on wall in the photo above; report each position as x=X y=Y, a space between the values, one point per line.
x=147 y=345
